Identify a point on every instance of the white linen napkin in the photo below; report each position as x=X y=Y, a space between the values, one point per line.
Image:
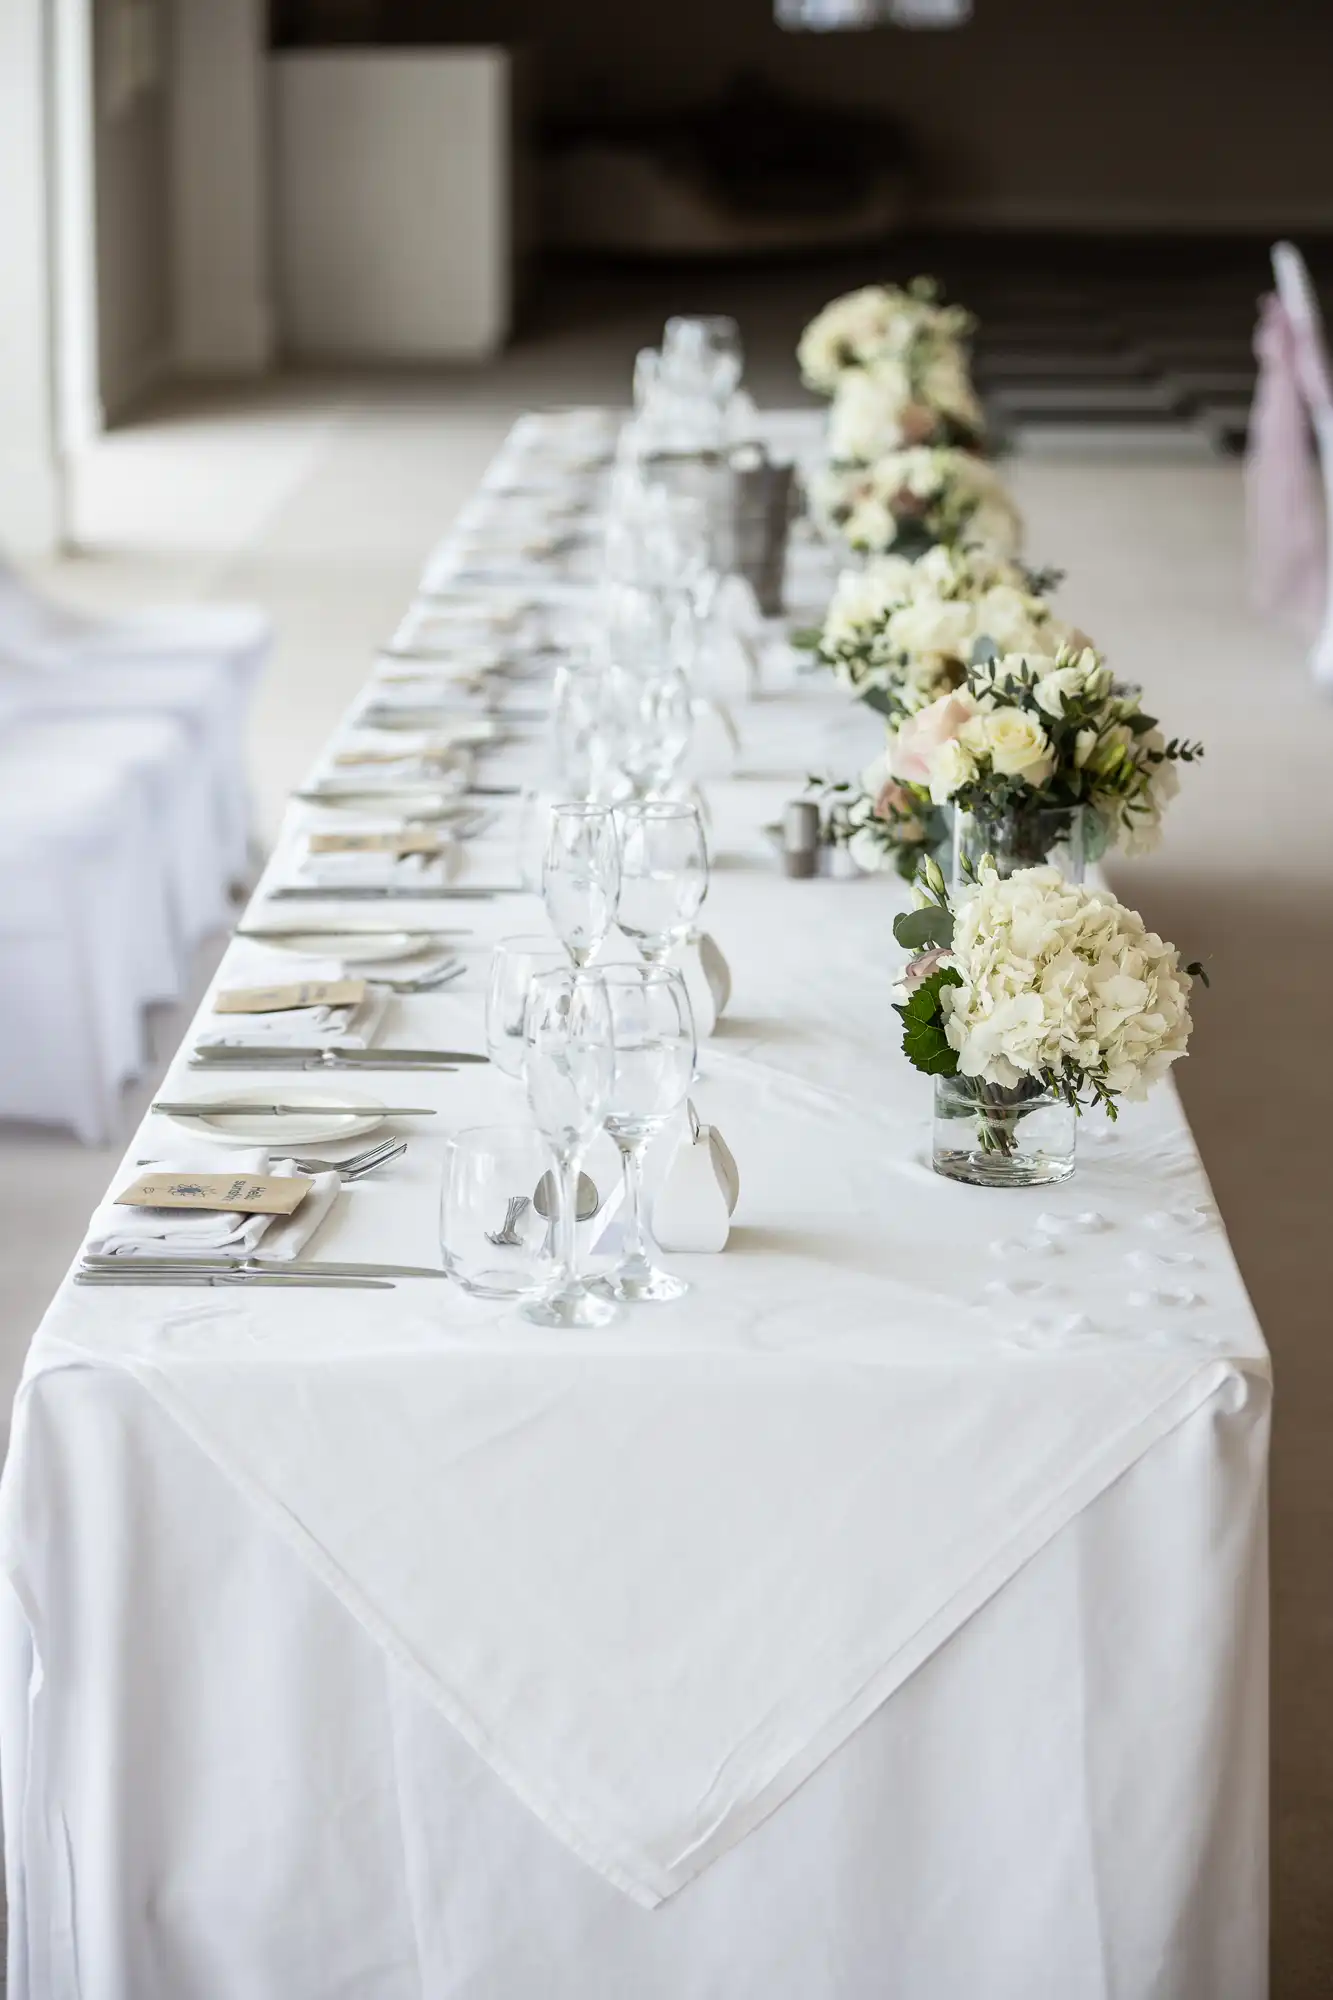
x=302 y=1027
x=195 y=1233
x=341 y=871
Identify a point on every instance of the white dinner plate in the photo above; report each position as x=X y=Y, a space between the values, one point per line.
x=352 y=947
x=244 y=1126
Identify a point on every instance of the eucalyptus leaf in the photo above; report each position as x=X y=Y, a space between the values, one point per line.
x=920 y=930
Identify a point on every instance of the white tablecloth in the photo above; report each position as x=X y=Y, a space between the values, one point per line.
x=889 y=1617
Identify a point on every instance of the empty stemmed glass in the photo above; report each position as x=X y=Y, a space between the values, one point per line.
x=652 y=1035
x=663 y=873
x=569 y=1069
x=515 y=963
x=581 y=877
x=650 y=721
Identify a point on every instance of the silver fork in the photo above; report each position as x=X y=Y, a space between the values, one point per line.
x=452 y=969
x=359 y=1165
x=506 y=1234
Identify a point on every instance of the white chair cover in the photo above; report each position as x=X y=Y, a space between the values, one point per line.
x=87 y=937
x=1311 y=361
x=229 y=642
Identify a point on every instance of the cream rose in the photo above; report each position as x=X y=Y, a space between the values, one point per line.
x=1015 y=742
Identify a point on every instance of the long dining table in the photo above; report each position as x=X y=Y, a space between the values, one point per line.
x=887 y=1617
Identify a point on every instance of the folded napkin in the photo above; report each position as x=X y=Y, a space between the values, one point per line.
x=390 y=752
x=192 y=1234
x=407 y=871
x=302 y=1027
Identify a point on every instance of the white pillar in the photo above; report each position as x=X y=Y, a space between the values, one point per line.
x=31 y=482
x=219 y=187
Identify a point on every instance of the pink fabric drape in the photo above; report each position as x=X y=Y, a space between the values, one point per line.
x=1284 y=498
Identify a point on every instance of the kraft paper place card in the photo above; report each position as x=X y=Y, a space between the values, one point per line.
x=299 y=993
x=245 y=1194
x=411 y=840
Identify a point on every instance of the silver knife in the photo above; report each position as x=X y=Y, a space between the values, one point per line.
x=346 y=930
x=234 y=1110
x=318 y=1066
x=290 y=1280
x=225 y=1051
x=310 y=1266
x=392 y=715
x=349 y=794
x=365 y=892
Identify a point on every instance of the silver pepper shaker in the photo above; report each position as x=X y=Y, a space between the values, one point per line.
x=800 y=838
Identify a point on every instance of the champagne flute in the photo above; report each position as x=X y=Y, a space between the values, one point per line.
x=663 y=873
x=581 y=877
x=653 y=1038
x=569 y=1067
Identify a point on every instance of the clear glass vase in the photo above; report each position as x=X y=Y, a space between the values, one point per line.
x=992 y=1136
x=1063 y=837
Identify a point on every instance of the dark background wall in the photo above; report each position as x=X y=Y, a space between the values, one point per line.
x=1062 y=113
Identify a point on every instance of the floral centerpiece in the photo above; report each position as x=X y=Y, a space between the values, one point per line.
x=923 y=397
x=879 y=323
x=1040 y=754
x=909 y=500
x=886 y=827
x=900 y=634
x=1027 y=998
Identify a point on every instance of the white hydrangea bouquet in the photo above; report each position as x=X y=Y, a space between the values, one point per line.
x=1028 y=997
x=1033 y=750
x=900 y=634
x=910 y=500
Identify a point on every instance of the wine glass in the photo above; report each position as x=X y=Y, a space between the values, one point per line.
x=652 y=1035
x=663 y=873
x=493 y=1240
x=569 y=1067
x=709 y=343
x=515 y=963
x=651 y=721
x=581 y=876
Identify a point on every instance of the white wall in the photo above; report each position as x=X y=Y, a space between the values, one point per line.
x=392 y=203
x=30 y=482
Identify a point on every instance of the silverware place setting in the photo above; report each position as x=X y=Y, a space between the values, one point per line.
x=229 y=1108
x=268 y=1055
x=182 y=1274
x=318 y=1268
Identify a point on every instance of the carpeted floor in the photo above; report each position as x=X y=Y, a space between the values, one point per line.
x=320 y=495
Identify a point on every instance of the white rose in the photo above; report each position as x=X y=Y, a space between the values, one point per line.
x=1016 y=744
x=1005 y=614
x=864 y=419
x=933 y=625
x=938 y=572
x=1062 y=684
x=951 y=767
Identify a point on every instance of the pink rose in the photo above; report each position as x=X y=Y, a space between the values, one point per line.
x=923 y=965
x=926 y=732
x=892 y=802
